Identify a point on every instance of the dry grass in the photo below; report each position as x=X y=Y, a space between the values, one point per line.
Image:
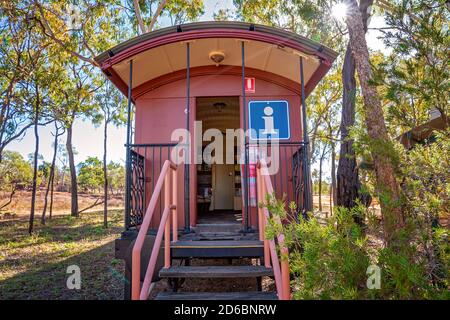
x=34 y=267
x=20 y=205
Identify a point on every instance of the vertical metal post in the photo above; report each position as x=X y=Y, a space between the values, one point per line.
x=188 y=147
x=306 y=168
x=244 y=108
x=128 y=153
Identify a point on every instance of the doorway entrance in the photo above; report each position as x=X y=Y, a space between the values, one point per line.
x=218 y=180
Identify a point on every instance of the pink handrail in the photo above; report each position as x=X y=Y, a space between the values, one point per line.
x=280 y=270
x=168 y=178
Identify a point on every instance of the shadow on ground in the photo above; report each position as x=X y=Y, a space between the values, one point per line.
x=101 y=278
x=35 y=267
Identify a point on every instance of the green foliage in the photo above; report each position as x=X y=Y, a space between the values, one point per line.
x=416 y=73
x=309 y=18
x=182 y=11
x=116 y=176
x=426 y=190
x=417 y=267
x=326 y=261
x=329 y=260
x=426 y=184
x=110 y=105
x=15 y=171
x=90 y=174
x=177 y=11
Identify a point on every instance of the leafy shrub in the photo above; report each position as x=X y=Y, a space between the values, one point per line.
x=330 y=260
x=326 y=261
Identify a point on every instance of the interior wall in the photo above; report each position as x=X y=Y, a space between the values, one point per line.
x=220 y=113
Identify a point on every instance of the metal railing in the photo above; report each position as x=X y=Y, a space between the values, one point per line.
x=146 y=162
x=288 y=181
x=145 y=165
x=168 y=178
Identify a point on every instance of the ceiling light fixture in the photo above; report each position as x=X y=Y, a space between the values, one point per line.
x=219 y=106
x=217 y=57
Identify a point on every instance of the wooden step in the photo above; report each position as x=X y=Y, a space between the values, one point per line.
x=212 y=236
x=217 y=249
x=217 y=227
x=251 y=295
x=215 y=272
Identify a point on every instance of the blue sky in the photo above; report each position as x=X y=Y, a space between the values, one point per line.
x=88 y=140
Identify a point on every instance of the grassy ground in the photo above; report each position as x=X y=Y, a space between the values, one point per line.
x=34 y=267
x=20 y=205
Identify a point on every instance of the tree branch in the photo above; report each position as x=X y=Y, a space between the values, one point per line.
x=11 y=195
x=49 y=32
x=96 y=203
x=161 y=6
x=137 y=11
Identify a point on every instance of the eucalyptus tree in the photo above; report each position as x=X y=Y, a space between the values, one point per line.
x=51 y=175
x=144 y=15
x=416 y=72
x=15 y=174
x=19 y=54
x=348 y=188
x=111 y=110
x=322 y=109
x=27 y=77
x=76 y=100
x=322 y=150
x=313 y=20
x=381 y=147
x=78 y=32
x=42 y=82
x=81 y=29
x=331 y=135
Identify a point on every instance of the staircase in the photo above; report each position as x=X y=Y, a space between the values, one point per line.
x=209 y=241
x=214 y=241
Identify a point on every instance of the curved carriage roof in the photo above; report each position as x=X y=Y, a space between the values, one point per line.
x=269 y=49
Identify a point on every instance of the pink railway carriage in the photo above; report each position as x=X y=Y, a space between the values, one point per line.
x=226 y=75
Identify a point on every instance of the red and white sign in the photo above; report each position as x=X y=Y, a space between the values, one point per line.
x=249 y=85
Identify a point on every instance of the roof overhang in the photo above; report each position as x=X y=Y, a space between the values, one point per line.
x=163 y=51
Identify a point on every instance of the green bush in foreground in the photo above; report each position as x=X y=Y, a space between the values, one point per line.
x=330 y=260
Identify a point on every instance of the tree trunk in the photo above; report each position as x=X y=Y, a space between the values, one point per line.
x=35 y=166
x=331 y=199
x=11 y=195
x=320 y=178
x=73 y=174
x=52 y=173
x=333 y=177
x=105 y=176
x=348 y=184
x=50 y=211
x=387 y=186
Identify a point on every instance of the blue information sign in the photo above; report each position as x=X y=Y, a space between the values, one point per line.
x=269 y=120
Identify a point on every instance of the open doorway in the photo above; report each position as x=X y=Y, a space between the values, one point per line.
x=219 y=183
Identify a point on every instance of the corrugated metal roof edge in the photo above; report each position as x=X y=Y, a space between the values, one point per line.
x=314 y=46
